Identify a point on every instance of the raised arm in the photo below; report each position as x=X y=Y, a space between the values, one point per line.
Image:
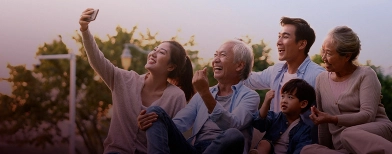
x=259 y=80
x=98 y=62
x=266 y=104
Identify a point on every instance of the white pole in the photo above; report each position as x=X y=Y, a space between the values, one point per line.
x=72 y=104
x=58 y=56
x=72 y=94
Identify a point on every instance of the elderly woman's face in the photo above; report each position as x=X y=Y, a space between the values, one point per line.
x=333 y=61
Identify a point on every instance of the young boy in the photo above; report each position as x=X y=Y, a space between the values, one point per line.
x=285 y=131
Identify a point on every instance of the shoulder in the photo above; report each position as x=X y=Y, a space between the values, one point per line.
x=128 y=76
x=278 y=66
x=274 y=115
x=174 y=90
x=365 y=73
x=302 y=128
x=322 y=75
x=244 y=90
x=316 y=68
x=301 y=123
x=366 y=70
x=175 y=95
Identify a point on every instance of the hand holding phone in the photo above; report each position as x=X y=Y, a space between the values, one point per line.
x=94 y=15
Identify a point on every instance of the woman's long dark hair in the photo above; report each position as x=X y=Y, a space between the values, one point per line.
x=182 y=75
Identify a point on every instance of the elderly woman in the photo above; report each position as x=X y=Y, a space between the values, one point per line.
x=349 y=112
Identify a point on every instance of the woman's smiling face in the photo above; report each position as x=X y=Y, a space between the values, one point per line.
x=333 y=61
x=159 y=59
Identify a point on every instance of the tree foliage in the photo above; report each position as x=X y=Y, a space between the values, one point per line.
x=386 y=88
x=37 y=103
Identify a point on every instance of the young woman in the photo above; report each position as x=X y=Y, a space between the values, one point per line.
x=132 y=92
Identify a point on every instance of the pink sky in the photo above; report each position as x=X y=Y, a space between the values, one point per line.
x=25 y=24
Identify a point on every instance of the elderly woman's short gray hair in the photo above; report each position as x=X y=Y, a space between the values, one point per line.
x=346 y=41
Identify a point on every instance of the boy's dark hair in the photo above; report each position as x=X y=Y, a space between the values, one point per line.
x=303 y=31
x=304 y=91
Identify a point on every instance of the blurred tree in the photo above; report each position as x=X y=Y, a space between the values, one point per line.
x=39 y=100
x=30 y=115
x=386 y=88
x=317 y=59
x=261 y=62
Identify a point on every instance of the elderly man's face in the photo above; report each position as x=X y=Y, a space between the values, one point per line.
x=223 y=63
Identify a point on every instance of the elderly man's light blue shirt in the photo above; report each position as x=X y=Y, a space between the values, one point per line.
x=271 y=78
x=244 y=103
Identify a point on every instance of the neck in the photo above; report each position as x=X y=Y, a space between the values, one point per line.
x=291 y=118
x=154 y=83
x=293 y=65
x=225 y=88
x=346 y=71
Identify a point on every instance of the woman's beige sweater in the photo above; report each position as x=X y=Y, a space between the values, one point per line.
x=124 y=136
x=359 y=103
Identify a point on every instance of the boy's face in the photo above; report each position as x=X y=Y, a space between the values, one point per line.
x=290 y=104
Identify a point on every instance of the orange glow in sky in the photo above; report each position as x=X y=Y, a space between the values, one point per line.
x=26 y=24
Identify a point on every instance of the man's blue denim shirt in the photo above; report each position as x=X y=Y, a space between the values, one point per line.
x=275 y=124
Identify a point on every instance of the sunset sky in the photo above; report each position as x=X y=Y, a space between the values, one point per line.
x=26 y=24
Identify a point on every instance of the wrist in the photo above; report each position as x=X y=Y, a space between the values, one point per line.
x=334 y=120
x=82 y=29
x=204 y=93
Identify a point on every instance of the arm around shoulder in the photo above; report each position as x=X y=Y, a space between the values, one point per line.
x=260 y=80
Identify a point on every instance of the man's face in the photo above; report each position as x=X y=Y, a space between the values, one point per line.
x=287 y=47
x=223 y=63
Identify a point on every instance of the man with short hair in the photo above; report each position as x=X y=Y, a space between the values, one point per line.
x=294 y=42
x=220 y=116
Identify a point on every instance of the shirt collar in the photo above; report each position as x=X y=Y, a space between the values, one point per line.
x=301 y=68
x=235 y=88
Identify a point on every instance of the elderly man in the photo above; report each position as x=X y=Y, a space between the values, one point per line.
x=220 y=116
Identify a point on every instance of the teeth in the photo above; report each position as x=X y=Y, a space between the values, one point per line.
x=218 y=68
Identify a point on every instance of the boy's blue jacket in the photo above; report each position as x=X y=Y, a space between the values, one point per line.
x=275 y=124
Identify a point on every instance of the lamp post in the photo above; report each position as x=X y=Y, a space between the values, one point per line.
x=126 y=56
x=72 y=94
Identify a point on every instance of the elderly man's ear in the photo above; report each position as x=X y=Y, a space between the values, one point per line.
x=240 y=66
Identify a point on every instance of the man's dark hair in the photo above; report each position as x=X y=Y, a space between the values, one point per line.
x=303 y=91
x=303 y=31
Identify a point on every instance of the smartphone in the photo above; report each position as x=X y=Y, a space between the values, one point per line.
x=94 y=15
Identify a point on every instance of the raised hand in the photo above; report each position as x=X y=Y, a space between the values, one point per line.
x=144 y=121
x=84 y=19
x=319 y=117
x=269 y=96
x=200 y=80
x=263 y=111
